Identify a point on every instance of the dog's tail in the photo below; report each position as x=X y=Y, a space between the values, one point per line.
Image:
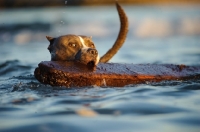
x=121 y=36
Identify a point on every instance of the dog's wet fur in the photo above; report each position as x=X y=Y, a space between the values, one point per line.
x=73 y=48
x=82 y=49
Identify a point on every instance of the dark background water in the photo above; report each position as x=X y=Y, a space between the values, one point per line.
x=157 y=34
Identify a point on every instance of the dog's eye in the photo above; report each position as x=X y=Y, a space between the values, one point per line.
x=92 y=45
x=72 y=45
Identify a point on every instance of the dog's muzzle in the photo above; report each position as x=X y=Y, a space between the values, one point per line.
x=87 y=56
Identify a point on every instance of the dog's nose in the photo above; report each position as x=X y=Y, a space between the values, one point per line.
x=92 y=51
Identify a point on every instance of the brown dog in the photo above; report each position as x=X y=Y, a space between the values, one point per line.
x=81 y=48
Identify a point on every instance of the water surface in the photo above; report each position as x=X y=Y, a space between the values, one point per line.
x=157 y=34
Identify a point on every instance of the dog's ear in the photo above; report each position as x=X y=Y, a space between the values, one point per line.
x=50 y=39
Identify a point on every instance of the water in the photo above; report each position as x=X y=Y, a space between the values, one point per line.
x=157 y=34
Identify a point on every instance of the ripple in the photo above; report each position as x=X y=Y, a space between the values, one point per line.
x=13 y=67
x=22 y=101
x=140 y=108
x=6 y=109
x=190 y=87
x=187 y=120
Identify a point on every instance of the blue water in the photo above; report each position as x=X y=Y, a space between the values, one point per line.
x=157 y=34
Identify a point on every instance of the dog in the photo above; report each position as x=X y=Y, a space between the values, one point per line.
x=82 y=49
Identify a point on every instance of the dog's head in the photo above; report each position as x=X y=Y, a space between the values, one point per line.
x=73 y=48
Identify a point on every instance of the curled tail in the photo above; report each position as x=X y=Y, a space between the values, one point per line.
x=121 y=36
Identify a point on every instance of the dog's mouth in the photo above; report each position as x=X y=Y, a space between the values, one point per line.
x=91 y=64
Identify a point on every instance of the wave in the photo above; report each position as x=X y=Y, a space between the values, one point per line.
x=14 y=68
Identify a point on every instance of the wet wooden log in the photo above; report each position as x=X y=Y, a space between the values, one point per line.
x=72 y=74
